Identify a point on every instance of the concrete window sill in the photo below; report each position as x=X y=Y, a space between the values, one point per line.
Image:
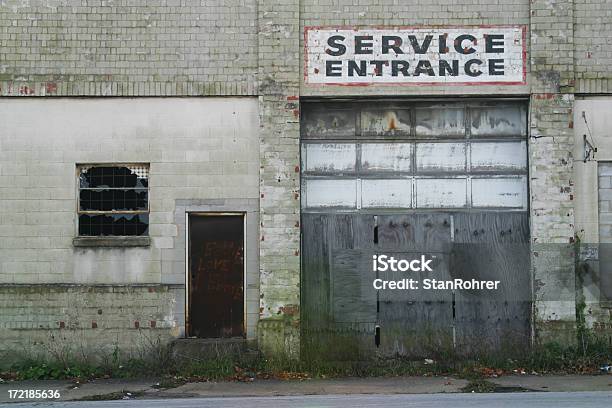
x=111 y=242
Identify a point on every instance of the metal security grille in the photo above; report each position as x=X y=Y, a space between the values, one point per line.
x=113 y=200
x=360 y=156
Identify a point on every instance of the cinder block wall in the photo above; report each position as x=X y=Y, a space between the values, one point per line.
x=592 y=52
x=128 y=48
x=200 y=150
x=68 y=321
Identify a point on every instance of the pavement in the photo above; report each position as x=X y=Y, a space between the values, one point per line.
x=146 y=389
x=508 y=400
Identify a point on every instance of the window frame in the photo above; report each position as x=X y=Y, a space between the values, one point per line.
x=79 y=212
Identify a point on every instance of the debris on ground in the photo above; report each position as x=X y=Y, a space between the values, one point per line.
x=488 y=372
x=120 y=395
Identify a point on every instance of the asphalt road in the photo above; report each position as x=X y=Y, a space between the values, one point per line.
x=526 y=399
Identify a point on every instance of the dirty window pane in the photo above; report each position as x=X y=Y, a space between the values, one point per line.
x=114 y=177
x=386 y=157
x=440 y=121
x=321 y=124
x=498 y=121
x=499 y=192
x=329 y=193
x=388 y=122
x=327 y=157
x=499 y=156
x=386 y=193
x=113 y=200
x=441 y=193
x=113 y=224
x=440 y=157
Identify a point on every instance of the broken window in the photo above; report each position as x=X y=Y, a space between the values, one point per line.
x=113 y=200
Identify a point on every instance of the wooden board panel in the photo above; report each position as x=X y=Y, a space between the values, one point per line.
x=416 y=232
x=351 y=335
x=315 y=281
x=492 y=246
x=415 y=322
x=353 y=296
x=341 y=234
x=365 y=225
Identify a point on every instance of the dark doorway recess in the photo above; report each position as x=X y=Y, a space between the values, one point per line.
x=216 y=276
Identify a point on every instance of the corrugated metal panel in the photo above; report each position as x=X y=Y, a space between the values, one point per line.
x=498 y=121
x=386 y=156
x=436 y=122
x=510 y=192
x=330 y=193
x=390 y=193
x=441 y=193
x=440 y=156
x=388 y=122
x=499 y=156
x=327 y=157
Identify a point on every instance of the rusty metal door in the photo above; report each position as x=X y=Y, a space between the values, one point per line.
x=445 y=180
x=216 y=276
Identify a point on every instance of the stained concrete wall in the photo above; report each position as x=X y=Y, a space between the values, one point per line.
x=551 y=169
x=279 y=177
x=593 y=210
x=202 y=151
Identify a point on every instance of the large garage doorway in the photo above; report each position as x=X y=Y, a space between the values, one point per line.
x=446 y=180
x=215 y=292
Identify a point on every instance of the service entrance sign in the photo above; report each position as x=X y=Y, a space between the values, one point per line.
x=483 y=55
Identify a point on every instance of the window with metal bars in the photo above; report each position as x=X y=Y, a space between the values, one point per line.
x=113 y=200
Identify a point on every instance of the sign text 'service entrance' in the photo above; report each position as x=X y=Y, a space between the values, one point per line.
x=415 y=56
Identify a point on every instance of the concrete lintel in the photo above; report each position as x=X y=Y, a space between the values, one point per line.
x=111 y=242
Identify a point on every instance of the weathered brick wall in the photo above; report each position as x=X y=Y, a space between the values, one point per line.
x=592 y=51
x=126 y=47
x=412 y=12
x=72 y=320
x=551 y=168
x=390 y=13
x=279 y=73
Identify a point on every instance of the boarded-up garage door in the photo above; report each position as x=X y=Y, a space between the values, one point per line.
x=448 y=181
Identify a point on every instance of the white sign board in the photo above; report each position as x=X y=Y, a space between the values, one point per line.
x=483 y=55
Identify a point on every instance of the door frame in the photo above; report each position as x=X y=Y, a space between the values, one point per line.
x=242 y=214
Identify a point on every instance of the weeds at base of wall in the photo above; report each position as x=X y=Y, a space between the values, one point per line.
x=155 y=359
